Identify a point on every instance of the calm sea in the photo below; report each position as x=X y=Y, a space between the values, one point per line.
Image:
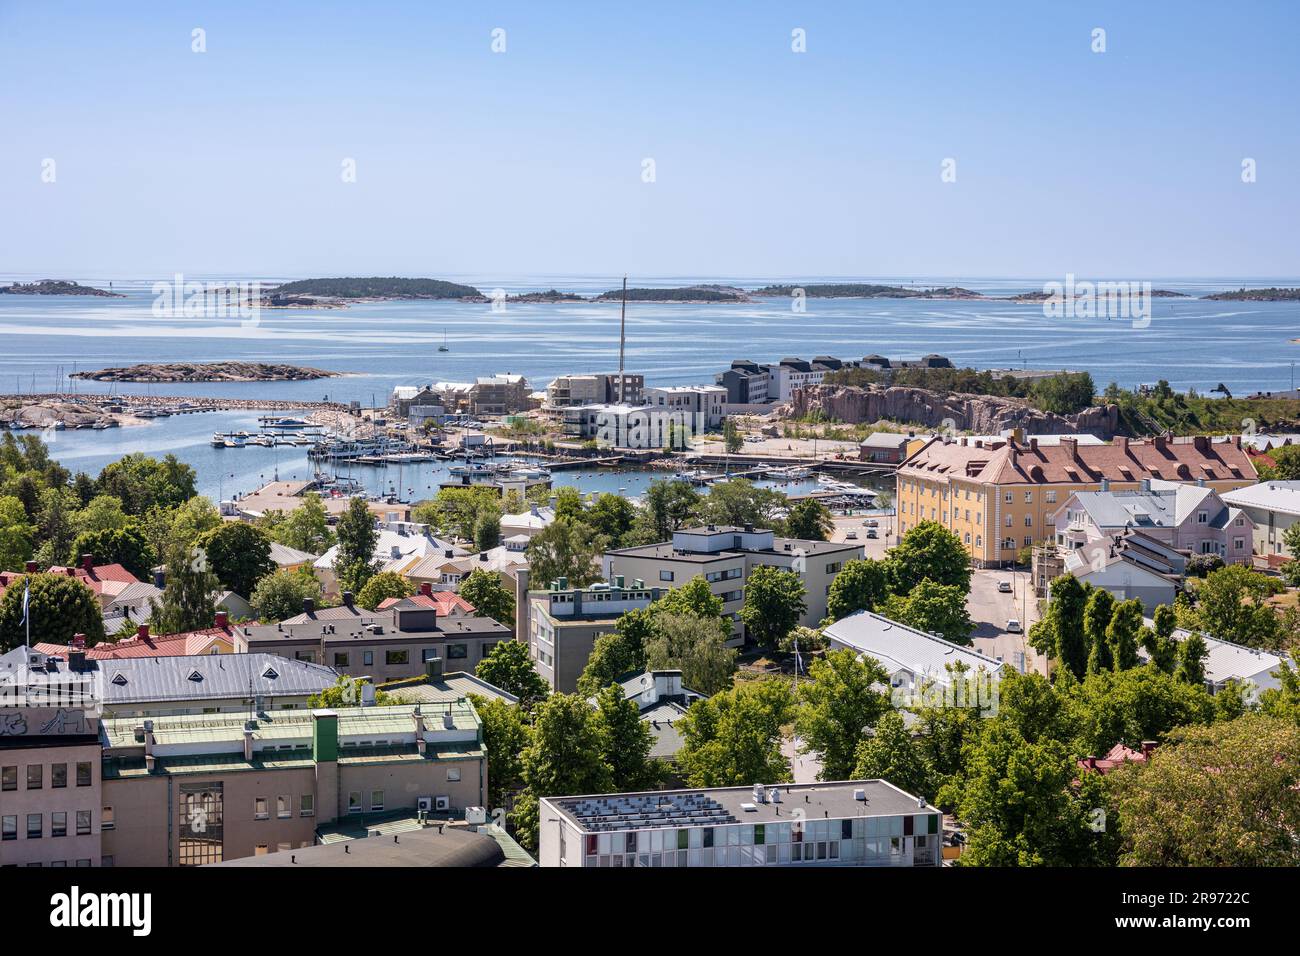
x=1246 y=346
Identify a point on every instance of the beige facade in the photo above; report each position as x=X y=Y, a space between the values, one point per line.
x=50 y=802
x=1001 y=496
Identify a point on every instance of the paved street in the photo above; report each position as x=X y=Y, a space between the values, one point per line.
x=990 y=610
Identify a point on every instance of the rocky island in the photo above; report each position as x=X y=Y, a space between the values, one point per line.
x=336 y=293
x=866 y=290
x=206 y=372
x=56 y=287
x=1257 y=295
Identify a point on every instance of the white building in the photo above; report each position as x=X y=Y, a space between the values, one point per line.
x=707 y=403
x=1273 y=506
x=1226 y=661
x=529 y=523
x=843 y=823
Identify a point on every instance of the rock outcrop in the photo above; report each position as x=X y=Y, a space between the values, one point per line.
x=981 y=414
x=206 y=372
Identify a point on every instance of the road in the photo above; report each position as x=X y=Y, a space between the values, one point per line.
x=991 y=609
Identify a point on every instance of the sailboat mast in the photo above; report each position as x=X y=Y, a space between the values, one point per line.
x=622 y=338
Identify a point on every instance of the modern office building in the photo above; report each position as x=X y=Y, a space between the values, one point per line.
x=841 y=823
x=725 y=556
x=704 y=404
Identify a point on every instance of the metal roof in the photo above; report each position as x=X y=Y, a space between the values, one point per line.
x=210 y=676
x=899 y=646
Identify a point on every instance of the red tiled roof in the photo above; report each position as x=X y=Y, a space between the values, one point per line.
x=95 y=579
x=1175 y=459
x=1118 y=755
x=166 y=645
x=444 y=602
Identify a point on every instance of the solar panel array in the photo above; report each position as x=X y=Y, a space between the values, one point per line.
x=650 y=810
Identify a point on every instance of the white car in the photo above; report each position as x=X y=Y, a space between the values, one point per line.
x=1004 y=587
x=1013 y=626
x=851 y=536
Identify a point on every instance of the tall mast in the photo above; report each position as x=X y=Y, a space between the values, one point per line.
x=622 y=337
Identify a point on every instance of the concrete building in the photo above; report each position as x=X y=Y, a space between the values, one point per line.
x=568 y=391
x=706 y=404
x=501 y=394
x=638 y=427
x=187 y=791
x=563 y=624
x=662 y=701
x=1272 y=507
x=725 y=557
x=382 y=645
x=1187 y=517
x=1003 y=496
x=913 y=658
x=746 y=383
x=842 y=823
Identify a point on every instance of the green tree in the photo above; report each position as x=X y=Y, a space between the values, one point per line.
x=1217 y=795
x=734 y=738
x=354 y=563
x=1097 y=613
x=505 y=737
x=509 y=667
x=1131 y=706
x=125 y=546
x=564 y=756
x=1285 y=467
x=487 y=530
x=837 y=705
x=740 y=502
x=239 y=554
x=809 y=520
x=613 y=517
x=1059 y=634
x=694 y=645
x=929 y=550
x=280 y=595
x=933 y=608
x=1192 y=652
x=1064 y=394
x=890 y=754
x=16 y=533
x=189 y=595
x=774 y=602
x=59 y=607
x=731 y=437
x=346 y=692
x=861 y=585
x=669 y=505
x=141 y=482
x=306 y=528
x=628 y=741
x=1123 y=633
x=54 y=525
x=566 y=548
x=694 y=597
x=490 y=597
x=1230 y=604
x=384 y=585
x=619 y=654
x=1159 y=641
x=102 y=513
x=187 y=523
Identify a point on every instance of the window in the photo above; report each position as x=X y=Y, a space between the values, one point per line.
x=1007 y=497
x=340 y=659
x=83 y=823
x=394 y=657
x=307 y=805
x=1238 y=544
x=453 y=774
x=9 y=828
x=1009 y=520
x=106 y=819
x=58 y=824
x=1202 y=517
x=429 y=653
x=456 y=652
x=260 y=810
x=83 y=774
x=367 y=658
x=665 y=575
x=58 y=775
x=354 y=801
x=9 y=778
x=34 y=772
x=376 y=799
x=1049 y=497
x=35 y=826
x=283 y=806
x=1029 y=497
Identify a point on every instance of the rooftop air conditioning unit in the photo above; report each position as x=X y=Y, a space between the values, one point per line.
x=475 y=815
x=442 y=804
x=424 y=804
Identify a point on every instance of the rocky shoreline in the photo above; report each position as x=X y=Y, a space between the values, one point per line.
x=173 y=372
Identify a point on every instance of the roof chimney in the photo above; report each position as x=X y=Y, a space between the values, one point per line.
x=1160 y=442
x=88 y=562
x=1071 y=446
x=1121 y=442
x=78 y=641
x=309 y=605
x=348 y=599
x=433 y=668
x=31 y=567
x=426 y=588
x=448 y=553
x=249 y=727
x=223 y=620
x=142 y=632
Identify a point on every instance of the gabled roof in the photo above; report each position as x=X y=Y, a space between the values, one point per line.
x=444 y=602
x=1226 y=660
x=285 y=556
x=166 y=645
x=211 y=676
x=898 y=646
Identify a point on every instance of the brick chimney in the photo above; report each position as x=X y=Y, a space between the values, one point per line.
x=1160 y=443
x=1121 y=442
x=348 y=599
x=1147 y=747
x=142 y=632
x=88 y=562
x=426 y=588
x=223 y=620
x=309 y=605
x=31 y=567
x=78 y=641
x=1201 y=443
x=1071 y=446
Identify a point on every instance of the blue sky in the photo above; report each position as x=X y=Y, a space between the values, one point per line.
x=1125 y=163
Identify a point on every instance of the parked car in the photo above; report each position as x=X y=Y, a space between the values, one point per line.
x=871 y=523
x=1004 y=587
x=1013 y=626
x=871 y=533
x=851 y=536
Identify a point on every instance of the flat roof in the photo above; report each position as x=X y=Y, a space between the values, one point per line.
x=721 y=806
x=430 y=846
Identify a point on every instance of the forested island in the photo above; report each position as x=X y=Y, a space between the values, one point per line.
x=56 y=287
x=206 y=372
x=375 y=287
x=692 y=294
x=1272 y=294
